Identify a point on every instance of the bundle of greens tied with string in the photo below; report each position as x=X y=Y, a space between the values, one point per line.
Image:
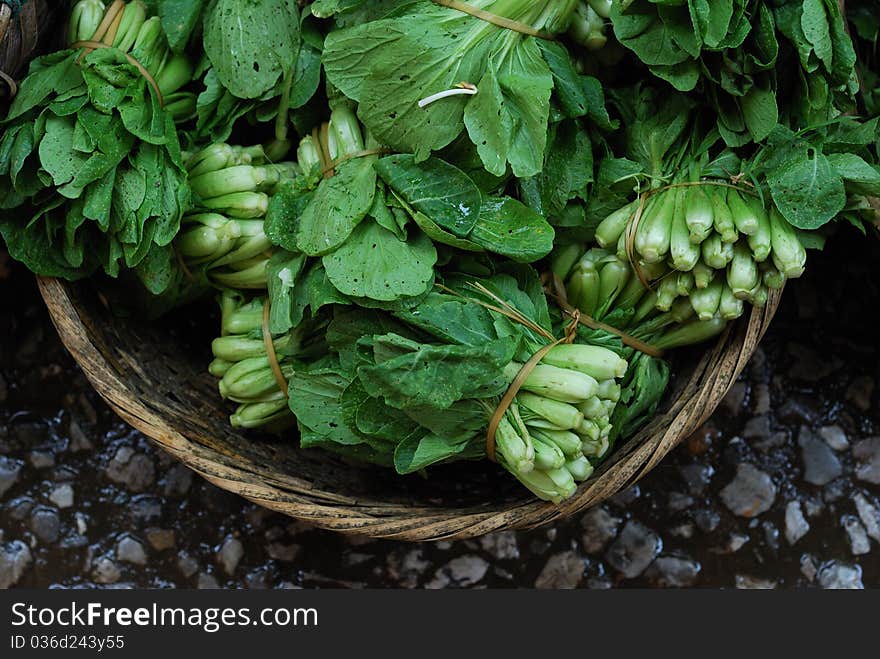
x=440 y=231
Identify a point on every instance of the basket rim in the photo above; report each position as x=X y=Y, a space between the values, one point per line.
x=713 y=375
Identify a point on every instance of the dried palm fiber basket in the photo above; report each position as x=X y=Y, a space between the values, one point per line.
x=27 y=27
x=159 y=384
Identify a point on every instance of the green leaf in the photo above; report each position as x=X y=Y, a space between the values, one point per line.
x=512 y=229
x=760 y=112
x=452 y=319
x=417 y=452
x=436 y=375
x=860 y=177
x=315 y=398
x=375 y=264
x=251 y=43
x=337 y=207
x=808 y=193
x=435 y=188
x=814 y=23
x=640 y=29
x=179 y=20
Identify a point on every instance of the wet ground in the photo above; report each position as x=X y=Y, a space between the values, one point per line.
x=780 y=489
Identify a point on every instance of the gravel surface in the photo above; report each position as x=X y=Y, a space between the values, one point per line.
x=779 y=489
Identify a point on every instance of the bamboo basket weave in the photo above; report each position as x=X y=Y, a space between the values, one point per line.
x=24 y=34
x=161 y=387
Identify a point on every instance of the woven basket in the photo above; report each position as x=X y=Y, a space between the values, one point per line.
x=24 y=36
x=158 y=383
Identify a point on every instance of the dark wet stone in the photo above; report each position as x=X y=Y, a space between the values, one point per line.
x=706 y=519
x=674 y=572
x=62 y=496
x=808 y=567
x=187 y=565
x=626 y=497
x=679 y=502
x=15 y=559
x=207 y=582
x=697 y=477
x=794 y=411
x=867 y=452
x=79 y=441
x=796 y=525
x=835 y=437
x=758 y=427
x=280 y=552
x=869 y=513
x=860 y=393
x=858 y=537
x=145 y=509
x=600 y=527
x=31 y=434
x=42 y=459
x=501 y=546
x=10 y=470
x=19 y=508
x=461 y=571
x=230 y=554
x=821 y=464
x=177 y=481
x=135 y=471
x=407 y=567
x=771 y=534
x=160 y=539
x=750 y=493
x=45 y=524
x=735 y=398
x=748 y=582
x=563 y=570
x=106 y=571
x=840 y=576
x=131 y=550
x=634 y=550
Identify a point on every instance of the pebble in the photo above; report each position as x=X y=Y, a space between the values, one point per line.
x=747 y=582
x=735 y=542
x=502 y=546
x=835 y=437
x=808 y=567
x=106 y=571
x=10 y=470
x=20 y=508
x=177 y=481
x=858 y=538
x=230 y=554
x=860 y=392
x=79 y=441
x=697 y=477
x=280 y=552
x=750 y=493
x=600 y=527
x=407 y=570
x=145 y=509
x=758 y=427
x=82 y=524
x=42 y=459
x=564 y=570
x=679 y=502
x=685 y=530
x=15 y=559
x=62 y=496
x=869 y=514
x=187 y=565
x=626 y=497
x=761 y=397
x=634 y=550
x=130 y=550
x=733 y=401
x=462 y=571
x=821 y=465
x=674 y=572
x=160 y=539
x=135 y=471
x=796 y=525
x=840 y=576
x=794 y=411
x=867 y=452
x=707 y=520
x=45 y=524
x=207 y=582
